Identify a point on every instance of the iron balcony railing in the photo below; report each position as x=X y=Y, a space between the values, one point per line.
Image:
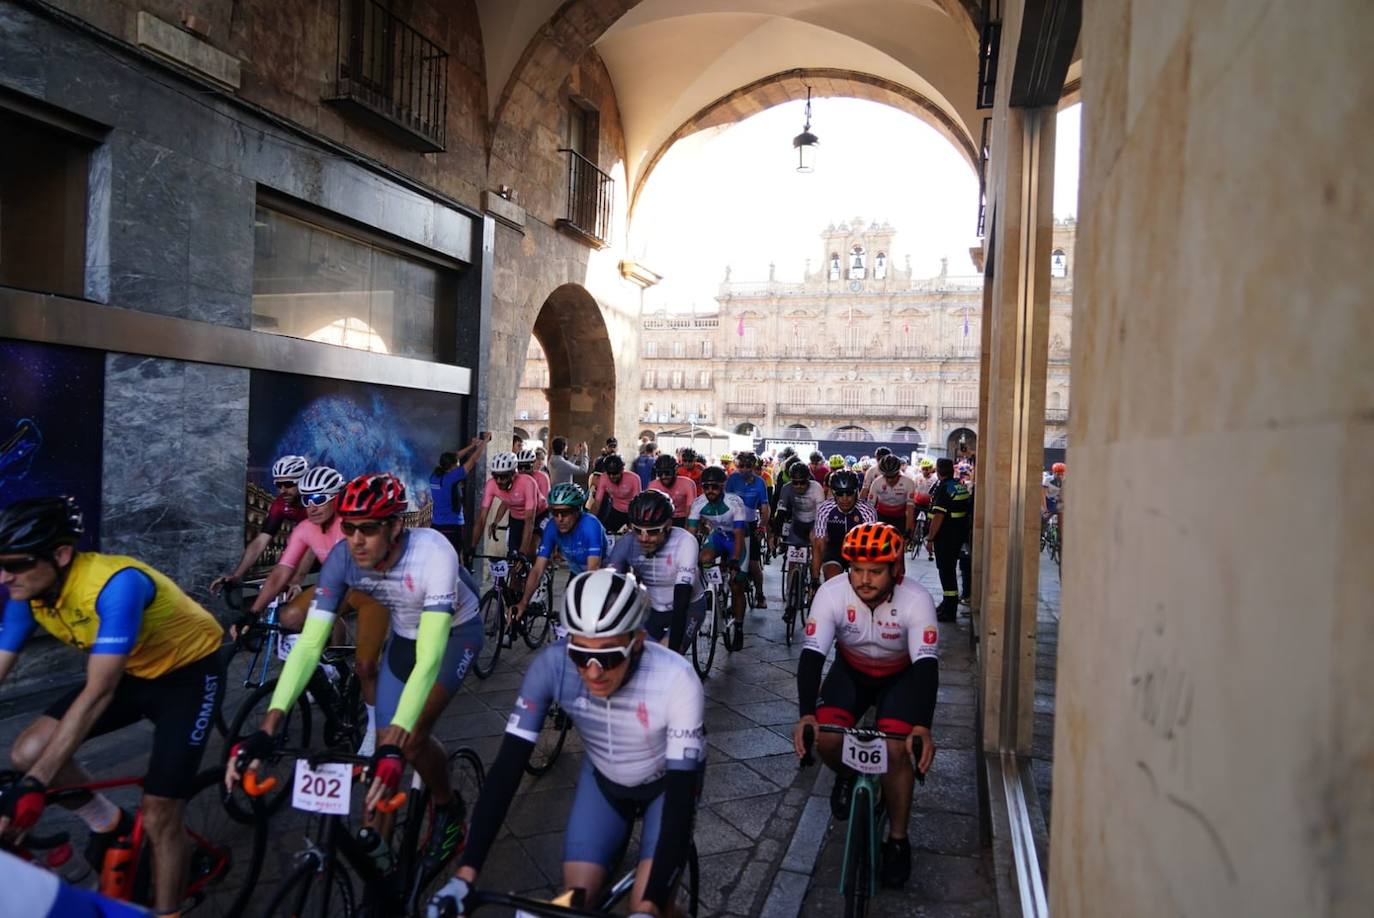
x=1056 y=416
x=842 y=411
x=391 y=75
x=591 y=194
x=959 y=413
x=746 y=409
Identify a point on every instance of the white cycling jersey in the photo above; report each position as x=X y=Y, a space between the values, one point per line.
x=892 y=499
x=879 y=641
x=653 y=723
x=675 y=562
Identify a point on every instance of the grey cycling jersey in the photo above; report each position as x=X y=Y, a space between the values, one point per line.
x=653 y=723
x=675 y=562
x=802 y=506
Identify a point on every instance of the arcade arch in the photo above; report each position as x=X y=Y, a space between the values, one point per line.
x=961 y=443
x=581 y=365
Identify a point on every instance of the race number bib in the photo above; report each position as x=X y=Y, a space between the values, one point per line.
x=796 y=555
x=867 y=756
x=498 y=569
x=713 y=575
x=284 y=644
x=323 y=790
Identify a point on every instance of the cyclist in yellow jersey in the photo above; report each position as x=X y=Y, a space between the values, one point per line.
x=153 y=655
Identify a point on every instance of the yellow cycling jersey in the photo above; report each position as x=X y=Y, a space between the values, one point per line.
x=175 y=629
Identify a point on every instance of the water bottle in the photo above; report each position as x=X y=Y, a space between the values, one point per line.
x=375 y=847
x=116 y=875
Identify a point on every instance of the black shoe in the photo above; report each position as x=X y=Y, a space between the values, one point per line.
x=737 y=641
x=842 y=793
x=447 y=834
x=100 y=842
x=896 y=869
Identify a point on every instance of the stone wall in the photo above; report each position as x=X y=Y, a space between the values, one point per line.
x=1213 y=745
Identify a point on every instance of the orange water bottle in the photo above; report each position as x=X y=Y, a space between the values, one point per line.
x=117 y=874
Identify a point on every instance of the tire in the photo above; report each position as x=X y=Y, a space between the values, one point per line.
x=550 y=742
x=859 y=862
x=308 y=893
x=227 y=854
x=493 y=614
x=467 y=776
x=796 y=593
x=704 y=643
x=538 y=617
x=295 y=733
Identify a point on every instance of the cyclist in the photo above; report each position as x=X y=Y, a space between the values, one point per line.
x=871 y=469
x=446 y=488
x=435 y=634
x=820 y=471
x=644 y=463
x=152 y=654
x=951 y=516
x=726 y=522
x=834 y=519
x=887 y=657
x=520 y=494
x=893 y=495
x=751 y=489
x=663 y=558
x=690 y=468
x=611 y=448
x=621 y=487
x=578 y=536
x=527 y=464
x=561 y=468
x=797 y=506
x=639 y=710
x=1049 y=494
x=727 y=462
x=927 y=479
x=286 y=506
x=679 y=488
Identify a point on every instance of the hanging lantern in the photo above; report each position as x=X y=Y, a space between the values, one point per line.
x=806 y=142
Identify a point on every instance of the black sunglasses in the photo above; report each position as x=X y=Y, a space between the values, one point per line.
x=20 y=565
x=609 y=658
x=369 y=528
x=281 y=485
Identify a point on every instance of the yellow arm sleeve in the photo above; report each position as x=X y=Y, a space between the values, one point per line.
x=431 y=641
x=301 y=662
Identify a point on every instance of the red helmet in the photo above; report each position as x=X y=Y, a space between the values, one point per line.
x=373 y=497
x=1057 y=468
x=876 y=542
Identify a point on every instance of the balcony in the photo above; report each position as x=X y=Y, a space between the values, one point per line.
x=959 y=413
x=537 y=414
x=591 y=193
x=746 y=409
x=849 y=412
x=665 y=417
x=390 y=76
x=1056 y=417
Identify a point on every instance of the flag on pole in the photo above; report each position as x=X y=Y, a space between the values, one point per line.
x=966 y=320
x=739 y=329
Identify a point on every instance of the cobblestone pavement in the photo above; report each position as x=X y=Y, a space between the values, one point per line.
x=761 y=819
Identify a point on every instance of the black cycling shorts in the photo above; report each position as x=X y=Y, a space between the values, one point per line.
x=755 y=544
x=896 y=520
x=847 y=693
x=182 y=705
x=615 y=520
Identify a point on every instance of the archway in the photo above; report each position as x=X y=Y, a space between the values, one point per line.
x=961 y=443
x=797 y=432
x=851 y=432
x=747 y=429
x=906 y=434
x=581 y=366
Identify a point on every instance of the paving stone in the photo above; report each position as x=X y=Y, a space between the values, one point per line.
x=753 y=815
x=721 y=719
x=714 y=834
x=781 y=769
x=749 y=744
x=770 y=713
x=733 y=780
x=736 y=693
x=944 y=833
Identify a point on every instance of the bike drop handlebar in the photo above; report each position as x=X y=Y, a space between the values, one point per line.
x=479 y=899
x=809 y=740
x=254 y=787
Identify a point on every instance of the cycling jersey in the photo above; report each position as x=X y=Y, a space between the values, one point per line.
x=279 y=512
x=802 y=506
x=877 y=642
x=751 y=490
x=522 y=498
x=586 y=540
x=621 y=492
x=652 y=724
x=541 y=478
x=683 y=491
x=644 y=467
x=447 y=511
x=832 y=523
x=926 y=483
x=1052 y=489
x=309 y=537
x=674 y=563
x=820 y=473
x=119 y=605
x=728 y=513
x=892 y=498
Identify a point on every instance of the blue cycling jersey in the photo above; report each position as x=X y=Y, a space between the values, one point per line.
x=753 y=492
x=586 y=540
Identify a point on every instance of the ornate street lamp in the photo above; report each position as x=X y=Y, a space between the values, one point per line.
x=806 y=142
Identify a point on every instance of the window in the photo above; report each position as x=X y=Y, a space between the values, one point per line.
x=650 y=379
x=797 y=397
x=856 y=262
x=853 y=343
x=706 y=347
x=906 y=398
x=42 y=207
x=852 y=397
x=704 y=379
x=798 y=341
x=313 y=283
x=679 y=348
x=834 y=265
x=677 y=379
x=651 y=348
x=1059 y=264
x=880 y=266
x=749 y=341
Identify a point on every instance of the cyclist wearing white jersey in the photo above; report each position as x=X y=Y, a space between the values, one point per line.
x=639 y=710
x=664 y=559
x=724 y=521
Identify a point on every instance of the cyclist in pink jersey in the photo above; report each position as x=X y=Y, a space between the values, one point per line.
x=622 y=488
x=527 y=464
x=519 y=494
x=680 y=488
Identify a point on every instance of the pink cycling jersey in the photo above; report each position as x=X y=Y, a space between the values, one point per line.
x=541 y=478
x=622 y=491
x=308 y=536
x=683 y=492
x=522 y=498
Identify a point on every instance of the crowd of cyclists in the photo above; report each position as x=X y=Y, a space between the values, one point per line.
x=636 y=541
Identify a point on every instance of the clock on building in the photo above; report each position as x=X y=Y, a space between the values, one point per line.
x=856 y=285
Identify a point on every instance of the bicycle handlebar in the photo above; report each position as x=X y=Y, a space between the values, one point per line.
x=478 y=899
x=255 y=788
x=809 y=740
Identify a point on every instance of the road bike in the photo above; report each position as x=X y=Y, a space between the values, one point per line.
x=223 y=870
x=796 y=587
x=713 y=624
x=394 y=879
x=1049 y=537
x=865 y=751
x=537 y=622
x=507 y=585
x=918 y=539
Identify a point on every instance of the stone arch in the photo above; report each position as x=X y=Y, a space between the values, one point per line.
x=747 y=429
x=791 y=85
x=647 y=434
x=797 y=432
x=577 y=345
x=851 y=432
x=520 y=432
x=952 y=443
x=907 y=434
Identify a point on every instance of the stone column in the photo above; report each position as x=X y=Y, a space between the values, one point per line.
x=1015 y=356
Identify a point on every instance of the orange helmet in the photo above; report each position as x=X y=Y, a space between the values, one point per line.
x=876 y=542
x=1057 y=468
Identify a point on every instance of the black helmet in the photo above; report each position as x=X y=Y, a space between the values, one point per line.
x=689 y=455
x=798 y=471
x=746 y=459
x=650 y=509
x=613 y=464
x=713 y=474
x=787 y=452
x=37 y=525
x=816 y=457
x=881 y=451
x=665 y=463
x=844 y=482
x=890 y=465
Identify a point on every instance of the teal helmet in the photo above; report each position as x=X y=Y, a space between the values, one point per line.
x=567 y=494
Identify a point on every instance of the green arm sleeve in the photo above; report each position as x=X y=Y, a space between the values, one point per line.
x=301 y=662
x=431 y=640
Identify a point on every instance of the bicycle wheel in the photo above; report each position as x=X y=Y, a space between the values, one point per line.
x=858 y=861
x=493 y=614
x=550 y=742
x=466 y=775
x=226 y=855
x=539 y=615
x=704 y=644
x=309 y=892
x=294 y=733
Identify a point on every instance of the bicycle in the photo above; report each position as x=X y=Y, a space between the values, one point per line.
x=865 y=751
x=221 y=877
x=713 y=624
x=1049 y=537
x=919 y=537
x=550 y=742
x=320 y=884
x=796 y=587
x=535 y=624
x=505 y=590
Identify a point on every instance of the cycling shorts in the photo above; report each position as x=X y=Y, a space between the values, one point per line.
x=896 y=520
x=847 y=693
x=599 y=824
x=755 y=546
x=373 y=619
x=832 y=555
x=515 y=534
x=615 y=520
x=182 y=704
x=464 y=643
x=660 y=621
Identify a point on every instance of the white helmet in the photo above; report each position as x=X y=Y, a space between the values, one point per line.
x=603 y=603
x=289 y=468
x=322 y=480
x=502 y=462
x=526 y=457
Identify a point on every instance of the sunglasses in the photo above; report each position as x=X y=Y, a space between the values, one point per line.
x=608 y=659
x=316 y=500
x=844 y=493
x=563 y=511
x=369 y=528
x=649 y=532
x=283 y=485
x=19 y=565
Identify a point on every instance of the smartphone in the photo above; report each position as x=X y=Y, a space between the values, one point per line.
x=485 y=435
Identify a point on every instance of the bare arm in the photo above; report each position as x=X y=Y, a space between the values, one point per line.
x=251 y=552
x=103 y=672
x=276 y=582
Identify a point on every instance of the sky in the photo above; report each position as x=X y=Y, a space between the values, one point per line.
x=732 y=196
